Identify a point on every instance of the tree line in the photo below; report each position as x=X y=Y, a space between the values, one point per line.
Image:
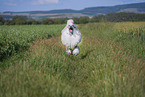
x=111 y=17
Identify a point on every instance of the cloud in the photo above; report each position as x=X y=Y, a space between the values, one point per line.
x=41 y=2
x=11 y=4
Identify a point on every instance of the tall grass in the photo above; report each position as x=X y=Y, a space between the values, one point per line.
x=17 y=38
x=110 y=64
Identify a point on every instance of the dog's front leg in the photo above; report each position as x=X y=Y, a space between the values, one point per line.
x=68 y=50
x=76 y=50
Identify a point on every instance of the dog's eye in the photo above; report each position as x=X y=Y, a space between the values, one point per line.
x=74 y=26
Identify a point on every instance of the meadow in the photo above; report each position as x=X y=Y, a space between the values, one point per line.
x=111 y=62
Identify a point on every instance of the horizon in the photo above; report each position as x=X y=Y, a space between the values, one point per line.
x=48 y=5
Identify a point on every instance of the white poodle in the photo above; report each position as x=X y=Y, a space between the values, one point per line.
x=71 y=37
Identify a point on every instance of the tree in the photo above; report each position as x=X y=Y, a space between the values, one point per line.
x=84 y=20
x=20 y=22
x=59 y=21
x=32 y=22
x=1 y=20
x=76 y=20
x=98 y=18
x=47 y=21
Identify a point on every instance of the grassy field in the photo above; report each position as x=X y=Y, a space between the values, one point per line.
x=18 y=38
x=111 y=62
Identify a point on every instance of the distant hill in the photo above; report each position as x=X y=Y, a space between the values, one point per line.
x=135 y=8
x=91 y=11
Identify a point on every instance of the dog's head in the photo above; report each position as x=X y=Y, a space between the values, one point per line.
x=70 y=25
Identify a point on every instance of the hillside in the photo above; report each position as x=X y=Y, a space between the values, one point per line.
x=91 y=11
x=135 y=8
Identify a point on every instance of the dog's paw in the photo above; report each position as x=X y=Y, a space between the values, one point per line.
x=68 y=51
x=76 y=51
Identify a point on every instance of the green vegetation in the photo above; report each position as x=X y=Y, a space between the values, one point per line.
x=18 y=38
x=111 y=17
x=110 y=63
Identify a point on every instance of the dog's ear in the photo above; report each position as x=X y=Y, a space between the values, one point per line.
x=75 y=26
x=68 y=26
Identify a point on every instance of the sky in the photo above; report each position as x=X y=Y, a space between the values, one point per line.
x=45 y=5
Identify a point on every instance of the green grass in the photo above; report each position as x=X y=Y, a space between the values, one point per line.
x=110 y=64
x=18 y=38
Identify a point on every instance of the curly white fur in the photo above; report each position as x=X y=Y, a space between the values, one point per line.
x=71 y=40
